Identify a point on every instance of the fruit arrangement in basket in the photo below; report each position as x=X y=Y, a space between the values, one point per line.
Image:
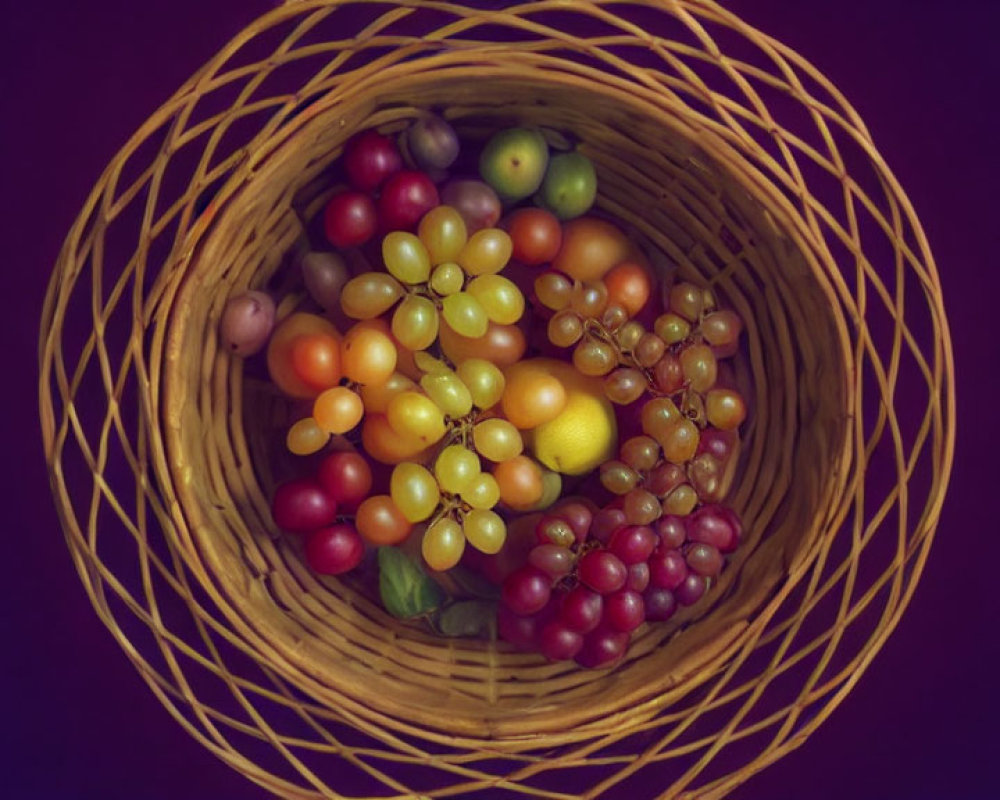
x=510 y=425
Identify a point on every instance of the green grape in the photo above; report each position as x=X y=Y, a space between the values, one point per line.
x=415 y=322
x=405 y=257
x=447 y=390
x=687 y=300
x=425 y=362
x=681 y=501
x=485 y=530
x=443 y=232
x=641 y=507
x=553 y=290
x=369 y=295
x=499 y=297
x=455 y=467
x=497 y=439
x=482 y=491
x=629 y=335
x=658 y=416
x=484 y=380
x=680 y=441
x=699 y=366
x=447 y=278
x=465 y=315
x=648 y=349
x=414 y=491
x=618 y=478
x=443 y=544
x=624 y=385
x=487 y=251
x=416 y=416
x=594 y=357
x=641 y=453
x=589 y=299
x=565 y=328
x=672 y=328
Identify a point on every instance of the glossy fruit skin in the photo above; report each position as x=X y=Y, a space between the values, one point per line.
x=346 y=478
x=557 y=642
x=602 y=571
x=513 y=162
x=520 y=481
x=522 y=632
x=301 y=506
x=370 y=294
x=305 y=437
x=368 y=354
x=315 y=359
x=526 y=591
x=501 y=344
x=443 y=544
x=536 y=234
x=532 y=396
x=624 y=610
x=414 y=490
x=279 y=352
x=660 y=604
x=334 y=550
x=487 y=252
x=581 y=609
x=380 y=522
x=633 y=544
x=369 y=159
x=405 y=198
x=350 y=219
x=715 y=525
x=475 y=200
x=443 y=232
x=570 y=185
x=246 y=323
x=603 y=648
x=385 y=445
x=590 y=248
x=629 y=286
x=432 y=142
x=324 y=275
x=578 y=514
x=667 y=569
x=338 y=410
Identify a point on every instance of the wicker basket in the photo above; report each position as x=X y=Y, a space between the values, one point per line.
x=735 y=163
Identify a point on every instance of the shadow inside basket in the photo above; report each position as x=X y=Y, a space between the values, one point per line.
x=675 y=190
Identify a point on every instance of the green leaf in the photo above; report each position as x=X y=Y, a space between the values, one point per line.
x=467 y=618
x=474 y=583
x=405 y=588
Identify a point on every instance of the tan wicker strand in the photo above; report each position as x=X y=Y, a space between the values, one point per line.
x=159 y=448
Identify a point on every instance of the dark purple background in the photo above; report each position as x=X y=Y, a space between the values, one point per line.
x=78 y=78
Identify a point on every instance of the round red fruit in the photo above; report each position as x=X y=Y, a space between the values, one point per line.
x=301 y=506
x=526 y=590
x=350 y=219
x=558 y=643
x=405 y=198
x=536 y=234
x=346 y=477
x=334 y=550
x=369 y=159
x=602 y=648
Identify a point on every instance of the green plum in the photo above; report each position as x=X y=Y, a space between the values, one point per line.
x=570 y=185
x=514 y=161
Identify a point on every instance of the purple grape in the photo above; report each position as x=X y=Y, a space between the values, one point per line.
x=557 y=642
x=660 y=604
x=526 y=590
x=602 y=648
x=602 y=571
x=606 y=522
x=672 y=531
x=715 y=525
x=704 y=559
x=624 y=610
x=691 y=590
x=633 y=544
x=581 y=609
x=522 y=632
x=553 y=560
x=638 y=577
x=667 y=568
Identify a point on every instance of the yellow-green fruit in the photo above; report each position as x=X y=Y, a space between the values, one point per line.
x=514 y=161
x=583 y=435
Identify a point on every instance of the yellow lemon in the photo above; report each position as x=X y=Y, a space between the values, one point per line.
x=582 y=436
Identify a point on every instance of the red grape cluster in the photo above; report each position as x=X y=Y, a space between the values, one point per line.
x=592 y=579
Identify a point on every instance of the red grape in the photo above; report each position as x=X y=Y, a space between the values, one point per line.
x=602 y=648
x=554 y=530
x=606 y=522
x=349 y=219
x=668 y=375
x=405 y=198
x=557 y=642
x=578 y=515
x=333 y=550
x=369 y=159
x=716 y=443
x=671 y=531
x=691 y=590
x=638 y=577
x=633 y=544
x=624 y=610
x=526 y=590
x=301 y=506
x=553 y=560
x=715 y=525
x=346 y=477
x=602 y=571
x=522 y=632
x=704 y=559
x=664 y=478
x=581 y=609
x=660 y=604
x=667 y=568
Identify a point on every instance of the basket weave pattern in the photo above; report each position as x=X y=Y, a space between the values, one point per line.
x=735 y=160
